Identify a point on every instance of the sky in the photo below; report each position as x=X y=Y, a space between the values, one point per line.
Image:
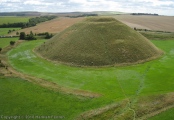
x=162 y=7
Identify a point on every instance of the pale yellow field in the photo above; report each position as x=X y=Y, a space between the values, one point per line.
x=162 y=23
x=53 y=26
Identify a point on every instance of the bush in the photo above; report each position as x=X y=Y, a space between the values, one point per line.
x=0 y=49
x=12 y=42
x=48 y=36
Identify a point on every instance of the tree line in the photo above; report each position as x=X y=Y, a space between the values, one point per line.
x=83 y=15
x=144 y=14
x=31 y=36
x=30 y=23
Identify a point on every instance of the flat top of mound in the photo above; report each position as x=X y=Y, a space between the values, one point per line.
x=100 y=19
x=99 y=41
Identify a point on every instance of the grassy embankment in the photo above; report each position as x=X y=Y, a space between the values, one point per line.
x=139 y=80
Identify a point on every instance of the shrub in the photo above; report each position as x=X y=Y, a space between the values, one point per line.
x=12 y=42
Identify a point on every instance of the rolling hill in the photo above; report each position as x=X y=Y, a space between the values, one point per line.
x=99 y=41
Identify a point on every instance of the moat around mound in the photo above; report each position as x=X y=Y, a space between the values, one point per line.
x=99 y=41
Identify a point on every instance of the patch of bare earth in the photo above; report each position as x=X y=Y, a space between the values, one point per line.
x=161 y=23
x=54 y=26
x=145 y=108
x=7 y=70
x=150 y=106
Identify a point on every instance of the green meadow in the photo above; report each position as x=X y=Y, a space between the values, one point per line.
x=23 y=100
x=113 y=83
x=11 y=19
x=4 y=31
x=6 y=41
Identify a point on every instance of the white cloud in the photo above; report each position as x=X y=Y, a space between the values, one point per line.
x=165 y=7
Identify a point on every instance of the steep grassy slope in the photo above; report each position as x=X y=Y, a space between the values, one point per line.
x=99 y=41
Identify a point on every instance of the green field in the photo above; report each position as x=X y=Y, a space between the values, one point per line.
x=158 y=35
x=6 y=41
x=24 y=99
x=13 y=19
x=114 y=83
x=4 y=31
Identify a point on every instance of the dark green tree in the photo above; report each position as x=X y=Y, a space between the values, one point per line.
x=0 y=49
x=22 y=36
x=48 y=36
x=9 y=31
x=30 y=36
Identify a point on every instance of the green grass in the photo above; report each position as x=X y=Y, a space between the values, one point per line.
x=158 y=35
x=6 y=41
x=4 y=31
x=142 y=79
x=23 y=59
x=22 y=98
x=13 y=19
x=99 y=41
x=167 y=115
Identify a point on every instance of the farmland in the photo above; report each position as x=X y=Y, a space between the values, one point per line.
x=53 y=26
x=163 y=23
x=13 y=19
x=33 y=86
x=4 y=31
x=6 y=41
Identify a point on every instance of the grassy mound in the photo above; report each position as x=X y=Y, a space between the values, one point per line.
x=99 y=41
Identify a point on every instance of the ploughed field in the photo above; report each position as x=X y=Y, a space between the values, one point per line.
x=158 y=23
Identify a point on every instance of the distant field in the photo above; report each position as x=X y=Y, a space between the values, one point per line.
x=163 y=23
x=6 y=41
x=53 y=26
x=158 y=35
x=13 y=19
x=4 y=31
